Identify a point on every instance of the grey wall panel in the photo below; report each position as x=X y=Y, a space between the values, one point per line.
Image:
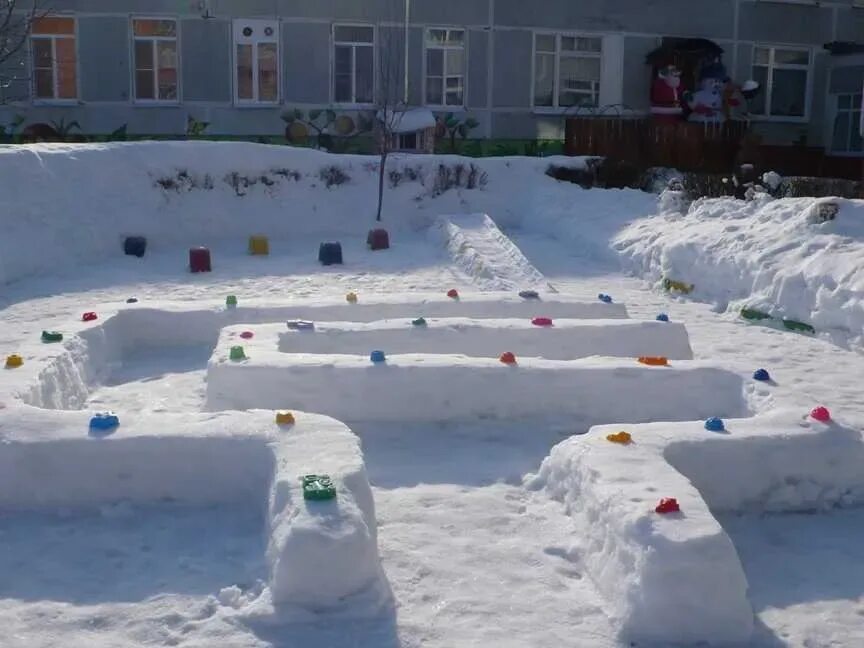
x=524 y=125
x=769 y=22
x=415 y=66
x=15 y=78
x=103 y=58
x=708 y=18
x=175 y=7
x=306 y=62
x=513 y=51
x=847 y=79
x=478 y=68
x=450 y=12
x=391 y=64
x=850 y=24
x=206 y=60
x=637 y=75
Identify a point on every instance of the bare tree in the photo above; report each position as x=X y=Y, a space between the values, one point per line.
x=16 y=21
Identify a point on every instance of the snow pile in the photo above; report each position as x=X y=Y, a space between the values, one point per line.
x=439 y=387
x=74 y=203
x=676 y=578
x=793 y=258
x=481 y=249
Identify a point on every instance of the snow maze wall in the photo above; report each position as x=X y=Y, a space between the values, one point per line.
x=670 y=578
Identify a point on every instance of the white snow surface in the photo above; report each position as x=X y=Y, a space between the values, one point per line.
x=472 y=555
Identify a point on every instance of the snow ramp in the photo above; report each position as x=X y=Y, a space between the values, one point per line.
x=486 y=254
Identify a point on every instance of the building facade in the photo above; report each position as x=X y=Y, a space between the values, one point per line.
x=517 y=67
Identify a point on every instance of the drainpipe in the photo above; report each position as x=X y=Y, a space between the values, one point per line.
x=407 y=20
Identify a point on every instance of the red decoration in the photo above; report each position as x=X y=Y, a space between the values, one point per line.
x=665 y=95
x=246 y=335
x=821 y=414
x=199 y=260
x=453 y=293
x=89 y=317
x=542 y=321
x=378 y=239
x=667 y=505
x=508 y=358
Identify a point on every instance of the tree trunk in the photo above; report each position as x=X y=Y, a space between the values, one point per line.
x=381 y=182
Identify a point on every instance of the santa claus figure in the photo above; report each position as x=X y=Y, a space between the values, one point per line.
x=665 y=95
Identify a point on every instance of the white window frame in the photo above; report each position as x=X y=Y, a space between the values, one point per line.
x=808 y=89
x=445 y=47
x=55 y=100
x=555 y=108
x=354 y=45
x=856 y=126
x=238 y=24
x=134 y=70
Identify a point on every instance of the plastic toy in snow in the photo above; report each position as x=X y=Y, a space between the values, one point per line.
x=655 y=361
x=420 y=321
x=89 y=317
x=104 y=421
x=672 y=285
x=231 y=301
x=620 y=437
x=135 y=246
x=662 y=317
x=300 y=325
x=801 y=327
x=351 y=298
x=247 y=335
x=542 y=321
x=259 y=245
x=761 y=375
x=754 y=315
x=508 y=358
x=284 y=418
x=14 y=361
x=529 y=294
x=606 y=299
x=821 y=414
x=453 y=293
x=377 y=357
x=237 y=353
x=378 y=239
x=330 y=254
x=667 y=505
x=199 y=260
x=51 y=336
x=715 y=424
x=132 y=300
x=318 y=488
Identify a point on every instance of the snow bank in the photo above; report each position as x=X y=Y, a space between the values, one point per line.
x=320 y=553
x=422 y=387
x=567 y=340
x=772 y=255
x=74 y=203
x=485 y=253
x=676 y=578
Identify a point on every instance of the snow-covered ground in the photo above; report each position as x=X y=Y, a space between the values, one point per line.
x=472 y=556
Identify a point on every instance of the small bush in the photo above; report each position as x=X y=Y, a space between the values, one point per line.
x=288 y=174
x=458 y=176
x=584 y=177
x=332 y=176
x=184 y=181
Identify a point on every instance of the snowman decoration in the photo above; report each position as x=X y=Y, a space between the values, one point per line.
x=706 y=104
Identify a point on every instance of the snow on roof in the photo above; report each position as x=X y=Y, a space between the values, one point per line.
x=408 y=121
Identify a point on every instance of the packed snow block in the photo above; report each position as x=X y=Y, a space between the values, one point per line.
x=259 y=245
x=421 y=387
x=481 y=250
x=677 y=579
x=135 y=246
x=199 y=260
x=378 y=239
x=330 y=254
x=567 y=340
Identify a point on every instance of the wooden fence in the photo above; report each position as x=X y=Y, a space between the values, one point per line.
x=686 y=146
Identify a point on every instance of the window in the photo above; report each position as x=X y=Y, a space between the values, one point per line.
x=155 y=54
x=353 y=64
x=445 y=67
x=566 y=70
x=52 y=42
x=847 y=125
x=784 y=76
x=256 y=61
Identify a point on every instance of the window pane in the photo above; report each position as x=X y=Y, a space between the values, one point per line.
x=456 y=36
x=791 y=57
x=42 y=57
x=855 y=143
x=347 y=34
x=268 y=72
x=167 y=54
x=244 y=72
x=342 y=60
x=840 y=139
x=757 y=104
x=789 y=93
x=53 y=25
x=435 y=62
x=365 y=75
x=437 y=36
x=66 y=69
x=578 y=68
x=544 y=83
x=589 y=44
x=454 y=98
x=844 y=102
x=143 y=55
x=44 y=84
x=434 y=91
x=144 y=84
x=454 y=61
x=761 y=55
x=168 y=84
x=342 y=88
x=154 y=27
x=545 y=43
